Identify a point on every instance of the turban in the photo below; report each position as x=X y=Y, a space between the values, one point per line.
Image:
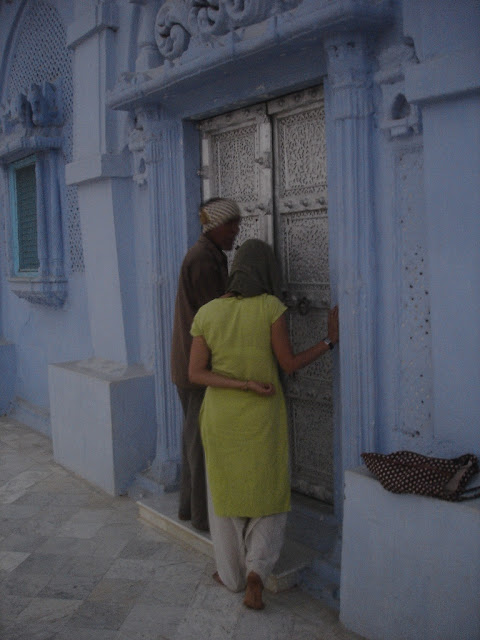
x=218 y=211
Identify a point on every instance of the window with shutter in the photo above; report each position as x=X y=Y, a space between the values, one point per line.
x=25 y=213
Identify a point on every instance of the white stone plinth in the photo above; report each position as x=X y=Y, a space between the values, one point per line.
x=103 y=420
x=410 y=564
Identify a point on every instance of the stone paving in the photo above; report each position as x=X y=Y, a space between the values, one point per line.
x=78 y=564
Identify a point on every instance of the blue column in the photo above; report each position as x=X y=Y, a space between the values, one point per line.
x=352 y=247
x=163 y=157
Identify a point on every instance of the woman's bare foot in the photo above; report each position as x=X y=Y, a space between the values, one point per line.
x=253 y=594
x=216 y=577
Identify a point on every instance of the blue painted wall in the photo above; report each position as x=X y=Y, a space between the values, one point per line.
x=424 y=190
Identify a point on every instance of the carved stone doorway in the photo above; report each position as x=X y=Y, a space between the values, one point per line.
x=271 y=159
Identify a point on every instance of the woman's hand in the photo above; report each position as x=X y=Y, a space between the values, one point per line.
x=333 y=324
x=261 y=388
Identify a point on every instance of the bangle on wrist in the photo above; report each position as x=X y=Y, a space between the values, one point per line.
x=328 y=342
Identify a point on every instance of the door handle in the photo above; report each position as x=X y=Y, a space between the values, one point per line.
x=302 y=306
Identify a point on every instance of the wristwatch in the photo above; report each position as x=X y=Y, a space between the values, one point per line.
x=328 y=342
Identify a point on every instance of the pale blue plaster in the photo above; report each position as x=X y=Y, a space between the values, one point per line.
x=7 y=380
x=103 y=420
x=409 y=564
x=452 y=151
x=40 y=335
x=396 y=183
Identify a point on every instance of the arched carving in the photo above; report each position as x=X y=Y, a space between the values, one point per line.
x=180 y=20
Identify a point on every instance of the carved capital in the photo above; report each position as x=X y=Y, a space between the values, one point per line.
x=348 y=73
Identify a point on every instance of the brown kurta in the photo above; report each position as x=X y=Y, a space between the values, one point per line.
x=203 y=277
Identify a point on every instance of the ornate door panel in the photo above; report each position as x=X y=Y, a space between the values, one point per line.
x=271 y=159
x=237 y=164
x=301 y=238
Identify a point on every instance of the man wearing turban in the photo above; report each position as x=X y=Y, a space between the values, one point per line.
x=203 y=277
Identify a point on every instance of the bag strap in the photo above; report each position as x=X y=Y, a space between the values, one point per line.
x=475 y=494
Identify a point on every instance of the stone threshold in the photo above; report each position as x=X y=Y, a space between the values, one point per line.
x=160 y=511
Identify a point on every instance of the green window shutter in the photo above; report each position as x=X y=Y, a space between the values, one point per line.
x=25 y=186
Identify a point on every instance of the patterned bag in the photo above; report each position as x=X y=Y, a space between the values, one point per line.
x=410 y=472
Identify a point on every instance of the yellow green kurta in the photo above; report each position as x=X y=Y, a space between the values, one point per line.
x=244 y=435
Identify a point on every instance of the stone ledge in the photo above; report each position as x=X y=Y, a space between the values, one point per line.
x=410 y=564
x=443 y=77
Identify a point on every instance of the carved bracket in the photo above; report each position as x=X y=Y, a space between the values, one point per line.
x=400 y=118
x=146 y=126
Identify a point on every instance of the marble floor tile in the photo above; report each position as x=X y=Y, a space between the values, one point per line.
x=15 y=511
x=27 y=585
x=101 y=615
x=80 y=529
x=18 y=631
x=213 y=614
x=10 y=560
x=22 y=542
x=67 y=546
x=76 y=633
x=151 y=622
x=131 y=569
x=111 y=539
x=87 y=566
x=48 y=611
x=17 y=486
x=68 y=587
x=140 y=549
x=119 y=590
x=41 y=564
x=36 y=499
x=11 y=607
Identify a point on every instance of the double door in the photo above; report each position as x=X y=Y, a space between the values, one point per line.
x=271 y=159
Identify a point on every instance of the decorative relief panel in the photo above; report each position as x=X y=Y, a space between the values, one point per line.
x=302 y=153
x=179 y=21
x=305 y=247
x=312 y=447
x=415 y=364
x=305 y=330
x=236 y=163
x=233 y=167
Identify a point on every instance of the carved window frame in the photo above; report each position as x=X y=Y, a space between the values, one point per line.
x=46 y=285
x=17 y=243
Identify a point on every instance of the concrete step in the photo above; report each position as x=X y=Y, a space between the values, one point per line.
x=160 y=511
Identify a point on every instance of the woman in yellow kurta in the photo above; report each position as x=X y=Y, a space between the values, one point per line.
x=237 y=341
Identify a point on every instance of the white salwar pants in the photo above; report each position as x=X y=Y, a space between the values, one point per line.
x=242 y=545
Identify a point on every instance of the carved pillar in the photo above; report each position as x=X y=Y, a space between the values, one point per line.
x=148 y=55
x=351 y=217
x=163 y=159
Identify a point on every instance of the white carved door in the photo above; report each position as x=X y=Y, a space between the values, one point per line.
x=271 y=159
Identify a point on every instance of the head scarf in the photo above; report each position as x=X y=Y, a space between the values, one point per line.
x=218 y=211
x=254 y=271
